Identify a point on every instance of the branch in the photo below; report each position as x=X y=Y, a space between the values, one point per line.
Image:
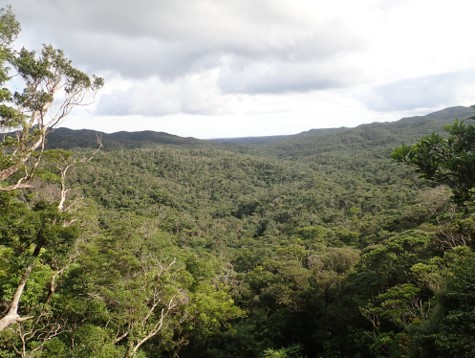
x=64 y=171
x=158 y=326
x=12 y=315
x=121 y=337
x=64 y=190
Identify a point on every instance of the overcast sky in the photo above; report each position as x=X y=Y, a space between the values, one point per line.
x=228 y=68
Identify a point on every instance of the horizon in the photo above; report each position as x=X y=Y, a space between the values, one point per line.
x=263 y=136
x=213 y=69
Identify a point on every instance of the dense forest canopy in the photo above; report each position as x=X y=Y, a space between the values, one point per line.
x=313 y=245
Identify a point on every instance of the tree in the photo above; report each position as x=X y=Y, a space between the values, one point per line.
x=454 y=320
x=52 y=87
x=449 y=161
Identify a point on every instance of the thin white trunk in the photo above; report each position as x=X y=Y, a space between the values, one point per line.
x=12 y=315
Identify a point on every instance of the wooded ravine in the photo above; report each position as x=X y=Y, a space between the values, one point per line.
x=312 y=245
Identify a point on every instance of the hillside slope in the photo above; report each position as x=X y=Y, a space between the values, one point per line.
x=66 y=138
x=381 y=135
x=316 y=245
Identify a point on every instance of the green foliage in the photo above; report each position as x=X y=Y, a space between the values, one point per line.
x=37 y=235
x=452 y=324
x=27 y=230
x=94 y=341
x=449 y=161
x=288 y=352
x=47 y=87
x=277 y=239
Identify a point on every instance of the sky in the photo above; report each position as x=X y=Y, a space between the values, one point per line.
x=234 y=68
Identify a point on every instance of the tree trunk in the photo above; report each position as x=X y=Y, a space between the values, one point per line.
x=12 y=315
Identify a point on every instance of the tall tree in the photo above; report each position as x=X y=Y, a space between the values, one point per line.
x=52 y=87
x=446 y=160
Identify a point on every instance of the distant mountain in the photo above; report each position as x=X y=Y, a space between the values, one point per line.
x=69 y=139
x=379 y=139
x=249 y=140
x=405 y=127
x=386 y=134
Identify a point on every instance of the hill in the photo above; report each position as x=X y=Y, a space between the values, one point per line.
x=387 y=134
x=66 y=138
x=406 y=129
x=311 y=245
x=305 y=232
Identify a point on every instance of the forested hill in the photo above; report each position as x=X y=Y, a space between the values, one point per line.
x=66 y=138
x=386 y=134
x=312 y=245
x=406 y=129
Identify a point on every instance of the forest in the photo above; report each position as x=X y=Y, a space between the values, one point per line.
x=345 y=242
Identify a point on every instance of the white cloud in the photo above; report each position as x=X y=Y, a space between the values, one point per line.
x=440 y=90
x=192 y=94
x=170 y=39
x=294 y=60
x=277 y=76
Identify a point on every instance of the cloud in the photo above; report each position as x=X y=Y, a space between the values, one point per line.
x=173 y=39
x=432 y=91
x=193 y=94
x=275 y=76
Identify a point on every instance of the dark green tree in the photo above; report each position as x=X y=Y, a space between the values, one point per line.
x=445 y=160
